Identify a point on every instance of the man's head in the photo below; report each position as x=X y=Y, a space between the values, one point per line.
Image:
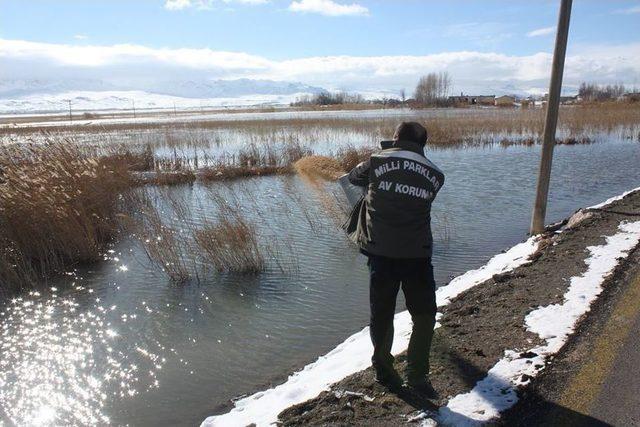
x=411 y=131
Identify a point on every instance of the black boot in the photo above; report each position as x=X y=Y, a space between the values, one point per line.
x=389 y=378
x=423 y=386
x=382 y=361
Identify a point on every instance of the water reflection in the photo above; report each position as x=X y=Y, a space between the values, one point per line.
x=61 y=360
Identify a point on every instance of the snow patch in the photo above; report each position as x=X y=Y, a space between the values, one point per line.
x=553 y=323
x=613 y=199
x=354 y=354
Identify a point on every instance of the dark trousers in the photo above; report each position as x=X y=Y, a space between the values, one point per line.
x=416 y=278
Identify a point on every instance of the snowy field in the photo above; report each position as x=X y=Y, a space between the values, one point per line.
x=183 y=117
x=91 y=101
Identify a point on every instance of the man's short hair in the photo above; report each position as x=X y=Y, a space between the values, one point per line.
x=411 y=131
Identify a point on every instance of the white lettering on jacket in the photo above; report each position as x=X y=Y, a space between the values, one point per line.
x=409 y=190
x=409 y=165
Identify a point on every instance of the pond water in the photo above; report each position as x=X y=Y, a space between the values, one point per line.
x=118 y=343
x=189 y=118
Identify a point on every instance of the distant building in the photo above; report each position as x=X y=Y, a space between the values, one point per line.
x=505 y=101
x=564 y=99
x=568 y=99
x=631 y=97
x=463 y=99
x=484 y=99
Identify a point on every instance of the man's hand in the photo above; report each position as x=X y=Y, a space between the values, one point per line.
x=360 y=174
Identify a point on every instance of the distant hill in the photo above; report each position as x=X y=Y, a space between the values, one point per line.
x=181 y=88
x=18 y=96
x=229 y=88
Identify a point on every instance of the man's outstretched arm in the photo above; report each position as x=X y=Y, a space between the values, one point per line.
x=360 y=174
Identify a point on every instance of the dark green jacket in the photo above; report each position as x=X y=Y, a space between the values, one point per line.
x=394 y=217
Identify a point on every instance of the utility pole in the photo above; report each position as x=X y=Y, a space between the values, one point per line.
x=551 y=119
x=133 y=104
x=70 y=115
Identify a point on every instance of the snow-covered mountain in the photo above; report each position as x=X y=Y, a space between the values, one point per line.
x=88 y=101
x=17 y=88
x=182 y=88
x=229 y=88
x=37 y=95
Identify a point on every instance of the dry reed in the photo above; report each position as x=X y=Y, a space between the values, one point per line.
x=163 y=244
x=184 y=251
x=173 y=177
x=350 y=157
x=448 y=127
x=59 y=206
x=319 y=166
x=230 y=244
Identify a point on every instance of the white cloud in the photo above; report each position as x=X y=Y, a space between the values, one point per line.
x=541 y=32
x=177 y=4
x=328 y=8
x=128 y=56
x=136 y=66
x=80 y=37
x=628 y=11
x=247 y=1
x=204 y=4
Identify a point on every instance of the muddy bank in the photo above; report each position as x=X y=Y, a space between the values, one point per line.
x=477 y=327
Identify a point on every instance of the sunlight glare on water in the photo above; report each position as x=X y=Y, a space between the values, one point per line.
x=61 y=362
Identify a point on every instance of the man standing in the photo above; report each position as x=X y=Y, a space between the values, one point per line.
x=392 y=226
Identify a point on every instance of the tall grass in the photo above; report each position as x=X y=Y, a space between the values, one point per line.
x=231 y=244
x=448 y=127
x=218 y=150
x=319 y=166
x=349 y=156
x=61 y=203
x=186 y=249
x=254 y=160
x=59 y=206
x=164 y=245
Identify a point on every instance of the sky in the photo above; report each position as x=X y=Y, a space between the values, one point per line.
x=338 y=44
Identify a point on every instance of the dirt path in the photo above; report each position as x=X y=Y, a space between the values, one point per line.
x=477 y=327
